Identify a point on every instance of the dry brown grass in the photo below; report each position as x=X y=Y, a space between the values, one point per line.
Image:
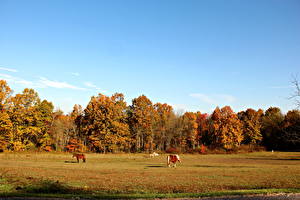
x=137 y=173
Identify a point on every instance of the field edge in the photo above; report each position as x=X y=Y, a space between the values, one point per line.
x=99 y=195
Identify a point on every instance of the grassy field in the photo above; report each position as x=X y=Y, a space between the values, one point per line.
x=137 y=175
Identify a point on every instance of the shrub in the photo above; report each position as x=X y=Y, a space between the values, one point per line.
x=250 y=148
x=172 y=150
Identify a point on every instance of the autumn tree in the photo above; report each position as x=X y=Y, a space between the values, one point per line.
x=176 y=135
x=77 y=117
x=226 y=128
x=142 y=118
x=251 y=121
x=5 y=130
x=25 y=120
x=24 y=116
x=44 y=120
x=105 y=123
x=163 y=129
x=203 y=128
x=272 y=127
x=5 y=122
x=215 y=123
x=62 y=129
x=290 y=138
x=5 y=93
x=189 y=132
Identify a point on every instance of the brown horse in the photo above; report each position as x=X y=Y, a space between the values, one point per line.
x=79 y=156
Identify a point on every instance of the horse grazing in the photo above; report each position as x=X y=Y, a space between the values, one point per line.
x=152 y=155
x=173 y=159
x=79 y=156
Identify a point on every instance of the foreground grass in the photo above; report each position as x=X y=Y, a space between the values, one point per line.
x=153 y=195
x=138 y=176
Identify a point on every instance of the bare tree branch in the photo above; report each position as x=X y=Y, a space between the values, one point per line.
x=296 y=94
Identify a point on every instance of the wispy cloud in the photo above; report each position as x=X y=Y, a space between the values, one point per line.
x=17 y=80
x=92 y=85
x=5 y=76
x=42 y=82
x=58 y=84
x=226 y=98
x=214 y=99
x=203 y=97
x=8 y=69
x=75 y=73
x=89 y=84
x=281 y=87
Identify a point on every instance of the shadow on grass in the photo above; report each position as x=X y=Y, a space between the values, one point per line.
x=155 y=166
x=68 y=161
x=216 y=166
x=284 y=159
x=50 y=187
x=46 y=189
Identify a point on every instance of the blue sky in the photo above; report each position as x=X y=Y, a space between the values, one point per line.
x=193 y=54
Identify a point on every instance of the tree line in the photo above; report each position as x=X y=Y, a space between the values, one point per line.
x=108 y=124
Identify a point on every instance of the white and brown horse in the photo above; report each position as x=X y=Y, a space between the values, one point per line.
x=173 y=158
x=154 y=154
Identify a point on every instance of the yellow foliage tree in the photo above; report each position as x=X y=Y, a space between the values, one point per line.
x=24 y=116
x=105 y=123
x=5 y=122
x=227 y=128
x=5 y=130
x=189 y=130
x=142 y=121
x=251 y=121
x=164 y=124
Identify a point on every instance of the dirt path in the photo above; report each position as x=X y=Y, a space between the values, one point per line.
x=247 y=197
x=258 y=197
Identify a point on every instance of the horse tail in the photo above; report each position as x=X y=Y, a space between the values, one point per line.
x=83 y=158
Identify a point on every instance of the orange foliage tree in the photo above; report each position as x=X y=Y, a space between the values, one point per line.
x=5 y=122
x=226 y=128
x=189 y=131
x=203 y=130
x=105 y=124
x=251 y=121
x=142 y=118
x=164 y=124
x=24 y=116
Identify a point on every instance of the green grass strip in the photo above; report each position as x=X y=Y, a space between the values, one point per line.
x=156 y=195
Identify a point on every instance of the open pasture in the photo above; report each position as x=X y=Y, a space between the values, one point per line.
x=138 y=173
